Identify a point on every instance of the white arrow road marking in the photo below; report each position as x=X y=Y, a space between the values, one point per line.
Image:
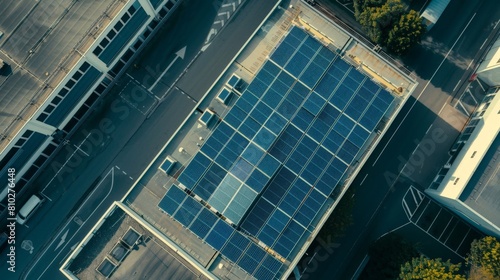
x=63 y=239
x=179 y=54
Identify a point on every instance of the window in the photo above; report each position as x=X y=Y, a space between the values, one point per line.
x=49 y=109
x=132 y=9
x=77 y=75
x=97 y=51
x=85 y=66
x=111 y=34
x=137 y=44
x=104 y=43
x=57 y=99
x=63 y=92
x=118 y=26
x=125 y=17
x=70 y=84
x=147 y=33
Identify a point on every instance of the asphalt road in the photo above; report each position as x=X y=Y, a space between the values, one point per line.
x=118 y=141
x=416 y=144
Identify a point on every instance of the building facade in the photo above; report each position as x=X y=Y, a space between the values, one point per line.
x=70 y=101
x=469 y=184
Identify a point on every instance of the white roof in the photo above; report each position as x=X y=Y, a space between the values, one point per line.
x=473 y=152
x=435 y=9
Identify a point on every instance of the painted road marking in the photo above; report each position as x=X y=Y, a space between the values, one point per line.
x=179 y=54
x=363 y=180
x=111 y=171
x=63 y=239
x=420 y=94
x=66 y=162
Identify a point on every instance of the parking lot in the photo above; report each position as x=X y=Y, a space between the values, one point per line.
x=438 y=222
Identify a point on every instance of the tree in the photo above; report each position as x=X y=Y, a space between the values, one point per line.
x=484 y=256
x=429 y=269
x=387 y=255
x=387 y=23
x=406 y=33
x=377 y=21
x=341 y=217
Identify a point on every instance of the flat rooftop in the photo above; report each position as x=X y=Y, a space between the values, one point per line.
x=250 y=187
x=482 y=193
x=42 y=40
x=108 y=253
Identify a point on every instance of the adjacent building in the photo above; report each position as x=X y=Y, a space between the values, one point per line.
x=469 y=184
x=54 y=83
x=489 y=69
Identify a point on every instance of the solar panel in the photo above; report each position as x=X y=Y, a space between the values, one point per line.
x=248 y=264
x=341 y=97
x=283 y=53
x=358 y=136
x=252 y=154
x=312 y=74
x=224 y=193
x=271 y=68
x=279 y=185
x=264 y=138
x=327 y=86
x=257 y=216
x=219 y=234
x=235 y=246
x=194 y=170
x=209 y=182
x=257 y=87
x=287 y=109
x=261 y=113
x=279 y=152
x=257 y=180
x=264 y=273
x=318 y=130
x=203 y=223
x=171 y=200
x=371 y=118
x=272 y=98
x=298 y=33
x=187 y=211
x=252 y=258
x=240 y=203
x=241 y=169
x=314 y=104
x=276 y=123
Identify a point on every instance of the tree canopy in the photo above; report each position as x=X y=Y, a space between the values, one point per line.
x=387 y=255
x=407 y=33
x=341 y=217
x=484 y=256
x=388 y=23
x=429 y=269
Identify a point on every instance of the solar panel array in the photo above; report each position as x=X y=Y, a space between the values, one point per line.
x=273 y=161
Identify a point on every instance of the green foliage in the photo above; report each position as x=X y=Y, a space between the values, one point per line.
x=407 y=33
x=340 y=219
x=430 y=269
x=387 y=255
x=386 y=22
x=485 y=254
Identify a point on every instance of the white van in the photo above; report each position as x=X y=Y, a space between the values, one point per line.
x=28 y=209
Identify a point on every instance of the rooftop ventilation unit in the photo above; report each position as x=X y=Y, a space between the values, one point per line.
x=206 y=118
x=224 y=95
